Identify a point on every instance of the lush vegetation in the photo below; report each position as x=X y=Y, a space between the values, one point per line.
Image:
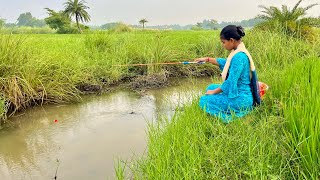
x=292 y=22
x=279 y=140
x=37 y=69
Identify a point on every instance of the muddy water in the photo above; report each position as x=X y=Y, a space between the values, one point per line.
x=89 y=136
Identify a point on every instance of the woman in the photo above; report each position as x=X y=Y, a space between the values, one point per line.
x=236 y=96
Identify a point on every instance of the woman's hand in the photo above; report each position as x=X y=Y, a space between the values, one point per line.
x=215 y=91
x=207 y=60
x=210 y=92
x=204 y=59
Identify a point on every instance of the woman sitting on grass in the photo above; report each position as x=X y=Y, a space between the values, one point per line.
x=238 y=93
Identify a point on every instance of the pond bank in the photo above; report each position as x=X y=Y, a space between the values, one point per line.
x=138 y=83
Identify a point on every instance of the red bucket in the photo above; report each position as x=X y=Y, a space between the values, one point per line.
x=263 y=87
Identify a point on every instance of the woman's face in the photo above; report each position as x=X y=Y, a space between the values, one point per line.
x=228 y=44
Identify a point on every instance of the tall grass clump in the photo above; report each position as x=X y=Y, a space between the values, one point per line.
x=206 y=47
x=275 y=50
x=290 y=67
x=159 y=50
x=100 y=48
x=99 y=41
x=13 y=56
x=104 y=50
x=29 y=77
x=300 y=99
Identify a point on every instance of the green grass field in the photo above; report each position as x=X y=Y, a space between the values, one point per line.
x=279 y=140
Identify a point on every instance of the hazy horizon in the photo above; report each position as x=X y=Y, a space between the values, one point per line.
x=156 y=12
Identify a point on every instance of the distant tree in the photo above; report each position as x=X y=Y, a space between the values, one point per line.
x=213 y=23
x=109 y=25
x=10 y=25
x=196 y=28
x=199 y=25
x=143 y=22
x=244 y=23
x=292 y=21
x=78 y=9
x=38 y=23
x=2 y=22
x=24 y=19
x=60 y=22
x=121 y=27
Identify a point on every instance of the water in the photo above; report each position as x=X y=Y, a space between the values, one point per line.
x=89 y=136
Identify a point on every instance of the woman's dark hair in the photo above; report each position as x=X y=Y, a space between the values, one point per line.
x=232 y=31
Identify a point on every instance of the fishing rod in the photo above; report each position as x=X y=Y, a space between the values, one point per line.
x=165 y=63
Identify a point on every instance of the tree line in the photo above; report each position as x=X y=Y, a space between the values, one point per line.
x=292 y=21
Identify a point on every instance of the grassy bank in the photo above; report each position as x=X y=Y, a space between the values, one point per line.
x=278 y=140
x=37 y=69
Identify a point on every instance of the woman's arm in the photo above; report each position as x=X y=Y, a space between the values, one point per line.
x=208 y=60
x=230 y=86
x=215 y=91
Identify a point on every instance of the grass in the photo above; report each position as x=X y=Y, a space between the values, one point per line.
x=279 y=140
x=37 y=69
x=27 y=30
x=301 y=110
x=196 y=146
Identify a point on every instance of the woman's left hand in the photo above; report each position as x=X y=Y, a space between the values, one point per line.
x=215 y=91
x=210 y=92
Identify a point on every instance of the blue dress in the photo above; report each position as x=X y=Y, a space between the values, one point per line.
x=236 y=99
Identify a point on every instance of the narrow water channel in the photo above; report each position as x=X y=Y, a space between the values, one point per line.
x=88 y=137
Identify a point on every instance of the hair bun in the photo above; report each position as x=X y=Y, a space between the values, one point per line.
x=240 y=30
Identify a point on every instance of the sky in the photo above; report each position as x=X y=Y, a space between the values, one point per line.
x=157 y=12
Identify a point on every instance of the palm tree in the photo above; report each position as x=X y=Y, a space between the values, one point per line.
x=143 y=21
x=78 y=9
x=292 y=21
